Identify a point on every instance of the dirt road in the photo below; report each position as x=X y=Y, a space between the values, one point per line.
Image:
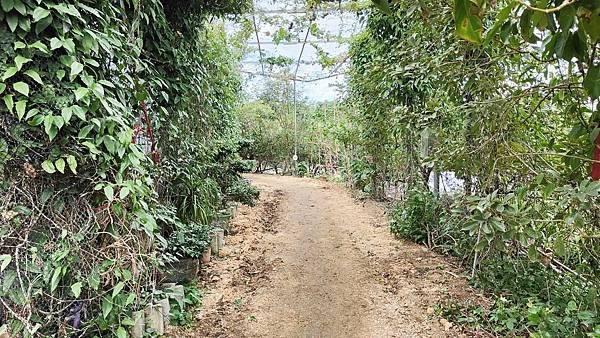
x=310 y=261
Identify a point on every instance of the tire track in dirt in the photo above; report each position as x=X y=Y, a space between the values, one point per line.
x=310 y=261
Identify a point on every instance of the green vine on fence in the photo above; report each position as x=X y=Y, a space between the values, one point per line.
x=84 y=211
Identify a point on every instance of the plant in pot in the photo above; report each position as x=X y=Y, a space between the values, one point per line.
x=188 y=243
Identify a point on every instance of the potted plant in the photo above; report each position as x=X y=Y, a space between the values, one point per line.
x=188 y=243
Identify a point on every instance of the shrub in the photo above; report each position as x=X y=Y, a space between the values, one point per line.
x=189 y=240
x=415 y=217
x=182 y=313
x=242 y=191
x=303 y=169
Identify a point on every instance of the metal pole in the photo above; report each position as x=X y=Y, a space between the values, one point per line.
x=295 y=132
x=295 y=104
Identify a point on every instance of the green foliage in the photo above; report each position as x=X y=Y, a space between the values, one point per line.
x=196 y=199
x=532 y=293
x=303 y=169
x=514 y=114
x=268 y=126
x=189 y=240
x=415 y=217
x=242 y=191
x=363 y=175
x=182 y=313
x=544 y=305
x=81 y=204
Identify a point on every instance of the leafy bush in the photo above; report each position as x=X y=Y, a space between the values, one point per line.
x=564 y=316
x=182 y=314
x=244 y=166
x=303 y=169
x=531 y=294
x=195 y=198
x=242 y=191
x=363 y=176
x=189 y=240
x=416 y=217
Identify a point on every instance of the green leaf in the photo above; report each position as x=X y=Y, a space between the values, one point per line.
x=25 y=24
x=20 y=61
x=48 y=167
x=72 y=162
x=34 y=75
x=69 y=45
x=110 y=143
x=20 y=107
x=60 y=165
x=22 y=88
x=79 y=112
x=118 y=289
x=12 y=20
x=48 y=122
x=130 y=299
x=559 y=247
x=383 y=6
x=31 y=113
x=58 y=121
x=76 y=68
x=8 y=101
x=20 y=7
x=532 y=253
x=5 y=260
x=10 y=71
x=566 y=17
x=55 y=279
x=52 y=132
x=468 y=25
x=83 y=132
x=55 y=43
x=37 y=120
x=76 y=289
x=107 y=306
x=502 y=16
x=128 y=321
x=592 y=82
x=2 y=88
x=66 y=9
x=60 y=74
x=80 y=93
x=40 y=13
x=124 y=192
x=43 y=24
x=109 y=192
x=94 y=280
x=66 y=113
x=121 y=333
x=525 y=24
x=7 y=5
x=40 y=46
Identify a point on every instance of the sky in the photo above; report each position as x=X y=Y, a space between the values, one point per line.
x=334 y=23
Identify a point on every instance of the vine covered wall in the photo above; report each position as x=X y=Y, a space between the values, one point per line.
x=116 y=132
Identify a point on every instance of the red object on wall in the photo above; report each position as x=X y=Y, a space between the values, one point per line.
x=596 y=164
x=137 y=129
x=150 y=133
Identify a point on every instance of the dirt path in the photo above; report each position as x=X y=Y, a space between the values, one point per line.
x=310 y=261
